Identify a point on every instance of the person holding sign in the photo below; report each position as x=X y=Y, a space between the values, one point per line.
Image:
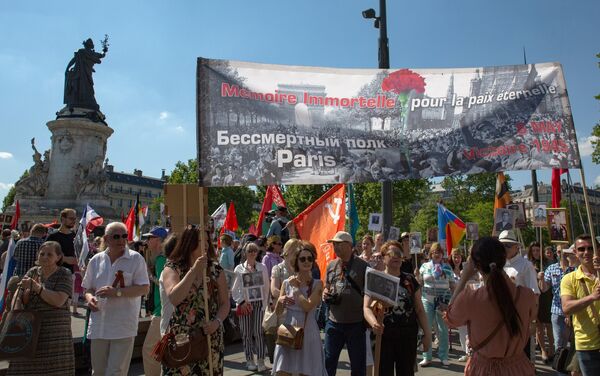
x=438 y=279
x=400 y=324
x=183 y=282
x=497 y=316
x=252 y=307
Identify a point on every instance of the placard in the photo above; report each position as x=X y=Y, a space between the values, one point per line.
x=382 y=286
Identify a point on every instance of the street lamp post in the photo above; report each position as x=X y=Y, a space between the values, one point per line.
x=384 y=63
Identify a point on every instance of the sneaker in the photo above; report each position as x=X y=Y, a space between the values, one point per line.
x=463 y=358
x=260 y=364
x=251 y=366
x=445 y=362
x=425 y=363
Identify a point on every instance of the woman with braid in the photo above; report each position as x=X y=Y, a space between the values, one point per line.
x=497 y=316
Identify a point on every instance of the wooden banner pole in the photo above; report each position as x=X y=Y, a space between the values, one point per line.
x=203 y=201
x=589 y=215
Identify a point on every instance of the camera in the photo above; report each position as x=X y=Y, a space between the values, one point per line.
x=332 y=299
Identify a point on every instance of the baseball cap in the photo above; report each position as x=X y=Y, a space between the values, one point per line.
x=508 y=236
x=341 y=237
x=156 y=232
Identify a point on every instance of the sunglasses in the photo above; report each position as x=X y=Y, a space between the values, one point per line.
x=251 y=251
x=305 y=259
x=119 y=236
x=583 y=249
x=277 y=243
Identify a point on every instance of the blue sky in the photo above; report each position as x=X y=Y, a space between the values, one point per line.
x=146 y=84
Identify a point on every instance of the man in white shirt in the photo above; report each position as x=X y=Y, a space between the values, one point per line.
x=525 y=272
x=114 y=281
x=519 y=269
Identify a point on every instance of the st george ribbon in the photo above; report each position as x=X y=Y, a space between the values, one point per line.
x=262 y=124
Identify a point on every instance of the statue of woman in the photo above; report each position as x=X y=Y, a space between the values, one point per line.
x=79 y=84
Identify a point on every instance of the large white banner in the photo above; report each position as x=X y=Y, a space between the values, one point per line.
x=264 y=124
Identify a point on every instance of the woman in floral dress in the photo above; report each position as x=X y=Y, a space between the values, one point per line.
x=182 y=280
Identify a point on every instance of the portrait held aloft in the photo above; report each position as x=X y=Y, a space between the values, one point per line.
x=381 y=286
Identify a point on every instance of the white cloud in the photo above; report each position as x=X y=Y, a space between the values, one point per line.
x=163 y=115
x=179 y=129
x=585 y=146
x=5 y=186
x=5 y=155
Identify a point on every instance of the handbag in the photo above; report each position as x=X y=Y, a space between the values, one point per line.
x=290 y=335
x=270 y=321
x=562 y=359
x=20 y=332
x=185 y=348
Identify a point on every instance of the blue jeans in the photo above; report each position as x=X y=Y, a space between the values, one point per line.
x=353 y=335
x=435 y=318
x=560 y=331
x=589 y=362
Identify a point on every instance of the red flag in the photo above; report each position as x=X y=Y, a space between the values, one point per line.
x=15 y=221
x=320 y=221
x=130 y=222
x=92 y=220
x=556 y=196
x=231 y=223
x=273 y=198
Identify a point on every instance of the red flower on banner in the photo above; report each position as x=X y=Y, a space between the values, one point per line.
x=403 y=81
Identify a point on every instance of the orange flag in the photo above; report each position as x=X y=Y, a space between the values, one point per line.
x=320 y=221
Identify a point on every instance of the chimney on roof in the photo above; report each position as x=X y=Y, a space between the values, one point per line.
x=110 y=168
x=162 y=175
x=137 y=172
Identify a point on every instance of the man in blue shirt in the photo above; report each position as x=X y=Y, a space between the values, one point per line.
x=226 y=259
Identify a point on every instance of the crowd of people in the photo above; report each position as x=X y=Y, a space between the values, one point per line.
x=501 y=298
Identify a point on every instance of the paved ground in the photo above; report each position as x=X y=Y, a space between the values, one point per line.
x=235 y=362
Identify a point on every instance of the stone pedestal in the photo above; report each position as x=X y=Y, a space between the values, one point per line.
x=75 y=171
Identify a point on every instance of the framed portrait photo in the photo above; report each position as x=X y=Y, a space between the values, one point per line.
x=252 y=279
x=394 y=233
x=519 y=212
x=375 y=222
x=540 y=219
x=504 y=219
x=254 y=294
x=558 y=225
x=382 y=286
x=472 y=231
x=415 y=242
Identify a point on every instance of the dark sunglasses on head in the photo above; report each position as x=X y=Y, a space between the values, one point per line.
x=119 y=236
x=583 y=249
x=305 y=259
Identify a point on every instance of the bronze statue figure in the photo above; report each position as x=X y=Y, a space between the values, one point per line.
x=79 y=84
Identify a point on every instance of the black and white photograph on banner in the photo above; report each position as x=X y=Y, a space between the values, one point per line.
x=518 y=209
x=313 y=125
x=504 y=219
x=254 y=293
x=540 y=218
x=381 y=285
x=558 y=225
x=472 y=231
x=375 y=222
x=252 y=279
x=394 y=233
x=229 y=278
x=415 y=242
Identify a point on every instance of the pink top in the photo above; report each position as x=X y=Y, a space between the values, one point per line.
x=504 y=354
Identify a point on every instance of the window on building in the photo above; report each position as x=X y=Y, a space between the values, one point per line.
x=120 y=202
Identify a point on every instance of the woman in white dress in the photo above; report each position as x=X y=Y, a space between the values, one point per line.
x=300 y=295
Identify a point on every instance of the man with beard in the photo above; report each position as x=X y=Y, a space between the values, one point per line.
x=65 y=236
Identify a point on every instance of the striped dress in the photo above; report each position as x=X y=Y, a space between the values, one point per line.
x=54 y=354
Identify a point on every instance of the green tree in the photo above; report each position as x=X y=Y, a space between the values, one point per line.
x=465 y=190
x=426 y=216
x=243 y=198
x=482 y=213
x=299 y=197
x=9 y=199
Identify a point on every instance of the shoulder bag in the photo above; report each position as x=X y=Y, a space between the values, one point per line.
x=20 y=332
x=290 y=335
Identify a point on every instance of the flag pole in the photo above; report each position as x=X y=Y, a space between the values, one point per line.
x=589 y=215
x=203 y=203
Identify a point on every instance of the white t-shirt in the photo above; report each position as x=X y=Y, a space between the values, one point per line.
x=522 y=272
x=118 y=316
